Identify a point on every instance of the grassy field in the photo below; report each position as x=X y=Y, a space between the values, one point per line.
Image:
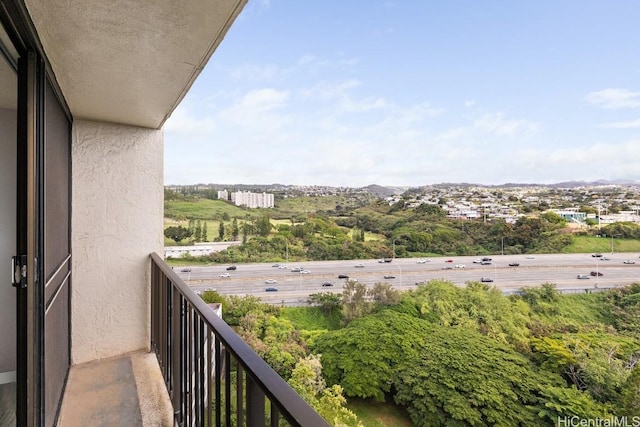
x=374 y=414
x=591 y=244
x=585 y=309
x=205 y=209
x=310 y=318
x=303 y=205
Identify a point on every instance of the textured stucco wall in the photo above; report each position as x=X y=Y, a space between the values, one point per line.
x=7 y=239
x=117 y=202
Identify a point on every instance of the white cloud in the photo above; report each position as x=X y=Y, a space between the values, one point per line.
x=495 y=123
x=614 y=99
x=309 y=60
x=258 y=73
x=261 y=100
x=633 y=124
x=183 y=121
x=326 y=90
x=469 y=103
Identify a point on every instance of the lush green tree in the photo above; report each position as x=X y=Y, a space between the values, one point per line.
x=329 y=402
x=563 y=403
x=178 y=233
x=245 y=232
x=274 y=339
x=263 y=225
x=354 y=301
x=235 y=231
x=464 y=378
x=362 y=357
x=477 y=306
x=239 y=306
x=221 y=230
x=623 y=305
x=198 y=231
x=630 y=396
x=327 y=301
x=383 y=294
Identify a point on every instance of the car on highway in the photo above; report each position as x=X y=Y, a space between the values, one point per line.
x=342 y=276
x=530 y=257
x=460 y=265
x=485 y=263
x=604 y=258
x=296 y=269
x=514 y=264
x=327 y=284
x=186 y=270
x=360 y=265
x=477 y=261
x=275 y=265
x=448 y=260
x=422 y=261
x=271 y=281
x=232 y=267
x=629 y=261
x=486 y=279
x=305 y=272
x=271 y=289
x=582 y=276
x=447 y=267
x=596 y=273
x=388 y=276
x=225 y=275
x=283 y=267
x=486 y=259
x=596 y=255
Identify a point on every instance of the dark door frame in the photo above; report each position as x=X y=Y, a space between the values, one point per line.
x=34 y=72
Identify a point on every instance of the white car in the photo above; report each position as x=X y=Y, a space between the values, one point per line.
x=477 y=261
x=629 y=261
x=422 y=261
x=282 y=267
x=225 y=275
x=270 y=281
x=530 y=257
x=305 y=272
x=360 y=265
x=459 y=265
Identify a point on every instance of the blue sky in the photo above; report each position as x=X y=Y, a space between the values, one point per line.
x=408 y=93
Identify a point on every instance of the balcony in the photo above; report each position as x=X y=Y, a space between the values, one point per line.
x=212 y=377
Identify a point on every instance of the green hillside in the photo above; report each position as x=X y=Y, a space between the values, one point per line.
x=205 y=209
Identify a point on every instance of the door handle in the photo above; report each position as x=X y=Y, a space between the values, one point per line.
x=19 y=271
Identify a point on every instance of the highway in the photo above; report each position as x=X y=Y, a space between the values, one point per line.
x=294 y=288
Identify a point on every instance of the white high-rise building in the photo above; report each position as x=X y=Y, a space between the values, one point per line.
x=223 y=195
x=253 y=200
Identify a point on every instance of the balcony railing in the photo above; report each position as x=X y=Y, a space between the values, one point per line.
x=213 y=377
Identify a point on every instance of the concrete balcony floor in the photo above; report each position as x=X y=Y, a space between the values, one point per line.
x=122 y=391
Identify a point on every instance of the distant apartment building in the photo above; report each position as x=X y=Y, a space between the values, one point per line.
x=570 y=214
x=223 y=195
x=253 y=200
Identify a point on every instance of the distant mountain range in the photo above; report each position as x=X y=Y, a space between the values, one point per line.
x=387 y=190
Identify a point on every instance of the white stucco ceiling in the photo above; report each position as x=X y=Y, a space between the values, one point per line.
x=125 y=61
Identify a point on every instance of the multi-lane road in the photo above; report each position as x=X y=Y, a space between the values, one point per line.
x=293 y=288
